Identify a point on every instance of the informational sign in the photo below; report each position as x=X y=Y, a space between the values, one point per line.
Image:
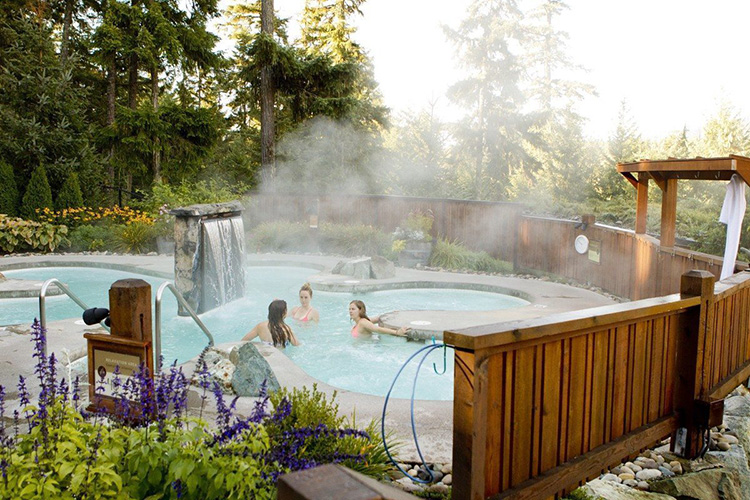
x=595 y=251
x=104 y=369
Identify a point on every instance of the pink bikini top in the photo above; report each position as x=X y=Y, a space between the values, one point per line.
x=355 y=331
x=305 y=318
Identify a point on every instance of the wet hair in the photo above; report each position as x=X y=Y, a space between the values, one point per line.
x=306 y=288
x=362 y=308
x=280 y=331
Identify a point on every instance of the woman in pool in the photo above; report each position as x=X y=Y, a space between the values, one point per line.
x=364 y=325
x=274 y=331
x=305 y=311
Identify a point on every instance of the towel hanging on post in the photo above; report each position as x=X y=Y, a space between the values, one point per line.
x=732 y=213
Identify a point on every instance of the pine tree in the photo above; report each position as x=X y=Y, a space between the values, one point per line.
x=490 y=138
x=725 y=133
x=38 y=195
x=9 y=192
x=70 y=194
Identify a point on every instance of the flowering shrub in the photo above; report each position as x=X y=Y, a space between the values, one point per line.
x=415 y=227
x=73 y=217
x=19 y=235
x=153 y=449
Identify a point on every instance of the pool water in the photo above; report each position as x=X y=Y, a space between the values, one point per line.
x=328 y=352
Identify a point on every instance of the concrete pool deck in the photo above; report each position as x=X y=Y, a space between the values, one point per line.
x=433 y=418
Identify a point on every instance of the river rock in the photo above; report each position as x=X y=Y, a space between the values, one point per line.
x=447 y=469
x=438 y=488
x=665 y=471
x=448 y=479
x=648 y=474
x=252 y=370
x=611 y=477
x=2 y=277
x=646 y=463
x=626 y=476
x=643 y=485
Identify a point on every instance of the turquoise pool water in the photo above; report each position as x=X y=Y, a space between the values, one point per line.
x=328 y=352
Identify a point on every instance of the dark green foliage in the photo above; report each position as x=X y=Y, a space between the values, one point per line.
x=91 y=238
x=9 y=191
x=38 y=194
x=454 y=255
x=70 y=195
x=354 y=239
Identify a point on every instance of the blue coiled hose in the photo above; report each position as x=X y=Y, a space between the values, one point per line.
x=427 y=350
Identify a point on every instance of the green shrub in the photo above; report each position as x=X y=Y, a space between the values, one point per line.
x=353 y=240
x=419 y=221
x=70 y=195
x=9 y=191
x=136 y=237
x=279 y=236
x=38 y=195
x=454 y=255
x=18 y=235
x=311 y=408
x=189 y=193
x=91 y=238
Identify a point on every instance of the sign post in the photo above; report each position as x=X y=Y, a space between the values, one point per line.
x=128 y=346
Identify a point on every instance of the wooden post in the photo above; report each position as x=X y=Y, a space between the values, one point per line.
x=668 y=213
x=641 y=208
x=128 y=346
x=694 y=345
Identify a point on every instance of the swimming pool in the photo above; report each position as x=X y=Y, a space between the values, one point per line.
x=328 y=353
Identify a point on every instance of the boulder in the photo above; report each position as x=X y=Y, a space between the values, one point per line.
x=252 y=369
x=365 y=268
x=382 y=268
x=616 y=491
x=708 y=484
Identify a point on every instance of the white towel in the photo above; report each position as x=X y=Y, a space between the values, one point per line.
x=732 y=213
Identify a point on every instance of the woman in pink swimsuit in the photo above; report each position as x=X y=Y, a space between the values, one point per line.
x=364 y=325
x=305 y=311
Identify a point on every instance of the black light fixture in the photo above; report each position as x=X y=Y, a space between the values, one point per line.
x=96 y=315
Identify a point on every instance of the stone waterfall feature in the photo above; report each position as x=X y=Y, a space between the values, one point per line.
x=209 y=254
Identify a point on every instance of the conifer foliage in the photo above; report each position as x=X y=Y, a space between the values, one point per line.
x=38 y=194
x=9 y=191
x=70 y=195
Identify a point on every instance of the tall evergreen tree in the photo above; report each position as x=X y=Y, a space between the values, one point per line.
x=9 y=192
x=38 y=195
x=559 y=149
x=490 y=138
x=725 y=133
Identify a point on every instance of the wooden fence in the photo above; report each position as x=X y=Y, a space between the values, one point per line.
x=482 y=225
x=629 y=266
x=547 y=404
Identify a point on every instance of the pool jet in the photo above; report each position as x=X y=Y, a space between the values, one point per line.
x=209 y=254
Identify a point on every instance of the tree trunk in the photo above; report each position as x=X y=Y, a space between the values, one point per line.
x=111 y=94
x=67 y=21
x=155 y=154
x=267 y=98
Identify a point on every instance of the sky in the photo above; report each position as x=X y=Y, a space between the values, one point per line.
x=671 y=60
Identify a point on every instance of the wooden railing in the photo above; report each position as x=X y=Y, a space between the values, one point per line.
x=541 y=406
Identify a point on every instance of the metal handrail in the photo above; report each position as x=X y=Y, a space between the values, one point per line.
x=43 y=306
x=157 y=320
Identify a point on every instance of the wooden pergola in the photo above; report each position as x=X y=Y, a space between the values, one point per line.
x=665 y=174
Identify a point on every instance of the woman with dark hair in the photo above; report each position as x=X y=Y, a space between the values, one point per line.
x=363 y=325
x=274 y=331
x=305 y=311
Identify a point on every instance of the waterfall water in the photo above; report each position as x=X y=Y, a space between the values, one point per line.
x=223 y=261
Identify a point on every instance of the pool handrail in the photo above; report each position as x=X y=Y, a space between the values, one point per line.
x=43 y=306
x=157 y=319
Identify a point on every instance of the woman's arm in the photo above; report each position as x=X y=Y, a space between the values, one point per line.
x=369 y=326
